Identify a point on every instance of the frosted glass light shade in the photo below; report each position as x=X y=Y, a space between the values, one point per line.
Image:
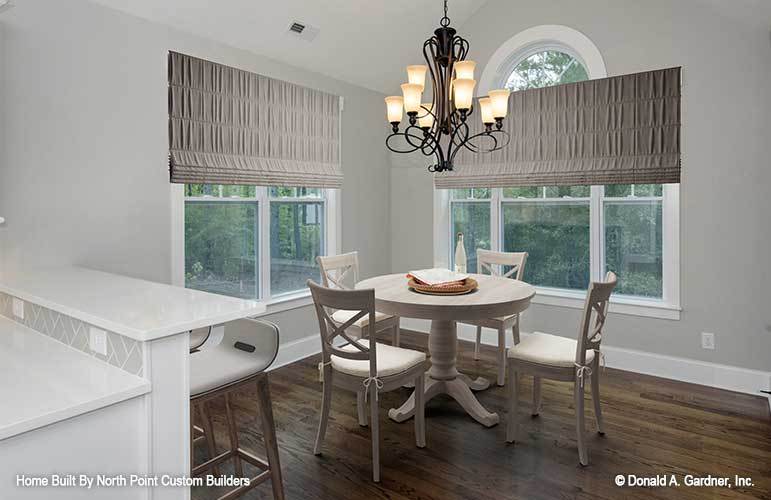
x=464 y=70
x=486 y=110
x=500 y=101
x=417 y=74
x=425 y=118
x=464 y=92
x=412 y=93
x=394 y=106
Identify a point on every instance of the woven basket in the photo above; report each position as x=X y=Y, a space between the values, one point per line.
x=469 y=286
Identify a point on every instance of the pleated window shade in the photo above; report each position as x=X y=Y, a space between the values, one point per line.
x=619 y=130
x=229 y=126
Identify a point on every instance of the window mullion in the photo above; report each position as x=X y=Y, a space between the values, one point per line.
x=263 y=206
x=596 y=233
x=496 y=230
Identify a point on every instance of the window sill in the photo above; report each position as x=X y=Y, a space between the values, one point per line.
x=620 y=305
x=287 y=302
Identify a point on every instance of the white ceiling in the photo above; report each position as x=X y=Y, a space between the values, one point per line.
x=365 y=42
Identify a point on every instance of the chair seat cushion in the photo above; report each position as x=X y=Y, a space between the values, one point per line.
x=342 y=316
x=547 y=349
x=390 y=360
x=222 y=365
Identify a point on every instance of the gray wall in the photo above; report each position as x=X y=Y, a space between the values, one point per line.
x=725 y=202
x=83 y=168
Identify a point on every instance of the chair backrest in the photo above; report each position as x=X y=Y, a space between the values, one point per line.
x=339 y=271
x=495 y=263
x=361 y=301
x=595 y=313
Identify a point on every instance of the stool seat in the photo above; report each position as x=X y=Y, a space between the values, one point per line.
x=217 y=366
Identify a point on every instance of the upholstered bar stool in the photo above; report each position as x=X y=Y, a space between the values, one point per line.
x=247 y=349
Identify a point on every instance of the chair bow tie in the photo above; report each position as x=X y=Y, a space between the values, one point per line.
x=378 y=385
x=582 y=371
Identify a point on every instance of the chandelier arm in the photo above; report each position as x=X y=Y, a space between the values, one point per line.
x=406 y=136
x=411 y=133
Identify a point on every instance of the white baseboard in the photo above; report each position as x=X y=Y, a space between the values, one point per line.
x=732 y=378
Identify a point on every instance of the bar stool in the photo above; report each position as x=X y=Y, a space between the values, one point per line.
x=247 y=349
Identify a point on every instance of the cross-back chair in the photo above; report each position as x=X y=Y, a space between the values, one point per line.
x=507 y=265
x=363 y=366
x=561 y=358
x=342 y=272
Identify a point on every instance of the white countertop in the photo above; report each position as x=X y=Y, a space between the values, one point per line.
x=45 y=381
x=138 y=309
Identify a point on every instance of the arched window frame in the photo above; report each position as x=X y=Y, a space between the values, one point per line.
x=495 y=75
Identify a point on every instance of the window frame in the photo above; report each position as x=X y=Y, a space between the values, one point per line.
x=330 y=199
x=668 y=307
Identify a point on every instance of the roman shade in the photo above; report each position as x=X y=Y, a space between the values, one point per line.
x=619 y=130
x=229 y=126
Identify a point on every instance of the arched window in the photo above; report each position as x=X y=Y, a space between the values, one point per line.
x=574 y=234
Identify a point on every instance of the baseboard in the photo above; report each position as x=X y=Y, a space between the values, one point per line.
x=720 y=376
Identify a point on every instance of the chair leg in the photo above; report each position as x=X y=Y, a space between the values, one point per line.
x=596 y=395
x=208 y=430
x=501 y=357
x=515 y=331
x=192 y=437
x=361 y=408
x=513 y=404
x=375 y=432
x=269 y=436
x=420 y=411
x=478 y=342
x=397 y=340
x=233 y=433
x=578 y=391
x=536 y=396
x=326 y=400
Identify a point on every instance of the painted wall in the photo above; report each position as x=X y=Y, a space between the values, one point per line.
x=83 y=168
x=725 y=235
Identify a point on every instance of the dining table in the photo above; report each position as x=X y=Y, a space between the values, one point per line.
x=494 y=297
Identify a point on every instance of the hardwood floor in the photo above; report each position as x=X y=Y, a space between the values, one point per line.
x=653 y=427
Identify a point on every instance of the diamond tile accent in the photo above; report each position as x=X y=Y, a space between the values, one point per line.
x=122 y=352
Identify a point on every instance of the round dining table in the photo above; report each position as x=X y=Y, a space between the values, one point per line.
x=495 y=297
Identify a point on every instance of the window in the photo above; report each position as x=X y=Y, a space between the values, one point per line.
x=253 y=242
x=573 y=234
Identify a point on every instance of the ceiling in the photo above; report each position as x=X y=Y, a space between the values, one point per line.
x=364 y=42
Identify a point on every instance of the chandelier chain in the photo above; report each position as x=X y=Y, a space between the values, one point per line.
x=445 y=20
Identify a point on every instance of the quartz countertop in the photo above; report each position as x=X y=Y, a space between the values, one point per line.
x=45 y=381
x=138 y=309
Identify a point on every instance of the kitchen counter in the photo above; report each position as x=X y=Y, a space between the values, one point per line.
x=45 y=381
x=138 y=309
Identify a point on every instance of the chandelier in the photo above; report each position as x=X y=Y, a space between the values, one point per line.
x=440 y=128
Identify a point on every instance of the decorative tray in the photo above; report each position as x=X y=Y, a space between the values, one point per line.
x=468 y=286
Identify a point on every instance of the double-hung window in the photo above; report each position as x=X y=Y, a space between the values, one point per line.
x=255 y=242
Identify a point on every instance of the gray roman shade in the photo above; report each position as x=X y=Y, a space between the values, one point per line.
x=229 y=126
x=619 y=130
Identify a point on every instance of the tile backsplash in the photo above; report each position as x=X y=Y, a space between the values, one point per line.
x=122 y=352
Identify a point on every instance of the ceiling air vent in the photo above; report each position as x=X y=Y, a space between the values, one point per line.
x=303 y=30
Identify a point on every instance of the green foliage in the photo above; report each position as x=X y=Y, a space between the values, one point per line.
x=545 y=69
x=473 y=220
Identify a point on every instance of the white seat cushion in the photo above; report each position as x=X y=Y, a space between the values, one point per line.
x=342 y=316
x=390 y=360
x=546 y=349
x=220 y=365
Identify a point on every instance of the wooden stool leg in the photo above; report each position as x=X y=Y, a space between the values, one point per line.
x=269 y=435
x=233 y=433
x=192 y=437
x=208 y=430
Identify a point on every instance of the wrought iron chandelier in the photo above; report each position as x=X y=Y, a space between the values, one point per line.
x=440 y=128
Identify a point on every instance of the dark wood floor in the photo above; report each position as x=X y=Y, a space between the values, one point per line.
x=653 y=426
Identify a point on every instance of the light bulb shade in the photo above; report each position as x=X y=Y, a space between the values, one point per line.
x=464 y=70
x=500 y=102
x=425 y=118
x=394 y=106
x=486 y=110
x=417 y=74
x=412 y=93
x=464 y=92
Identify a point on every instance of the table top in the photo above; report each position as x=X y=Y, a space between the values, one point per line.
x=495 y=297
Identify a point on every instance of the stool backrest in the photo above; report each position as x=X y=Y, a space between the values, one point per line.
x=361 y=301
x=495 y=263
x=595 y=313
x=339 y=271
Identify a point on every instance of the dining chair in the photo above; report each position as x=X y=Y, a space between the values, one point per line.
x=342 y=271
x=247 y=348
x=496 y=263
x=363 y=366
x=561 y=358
